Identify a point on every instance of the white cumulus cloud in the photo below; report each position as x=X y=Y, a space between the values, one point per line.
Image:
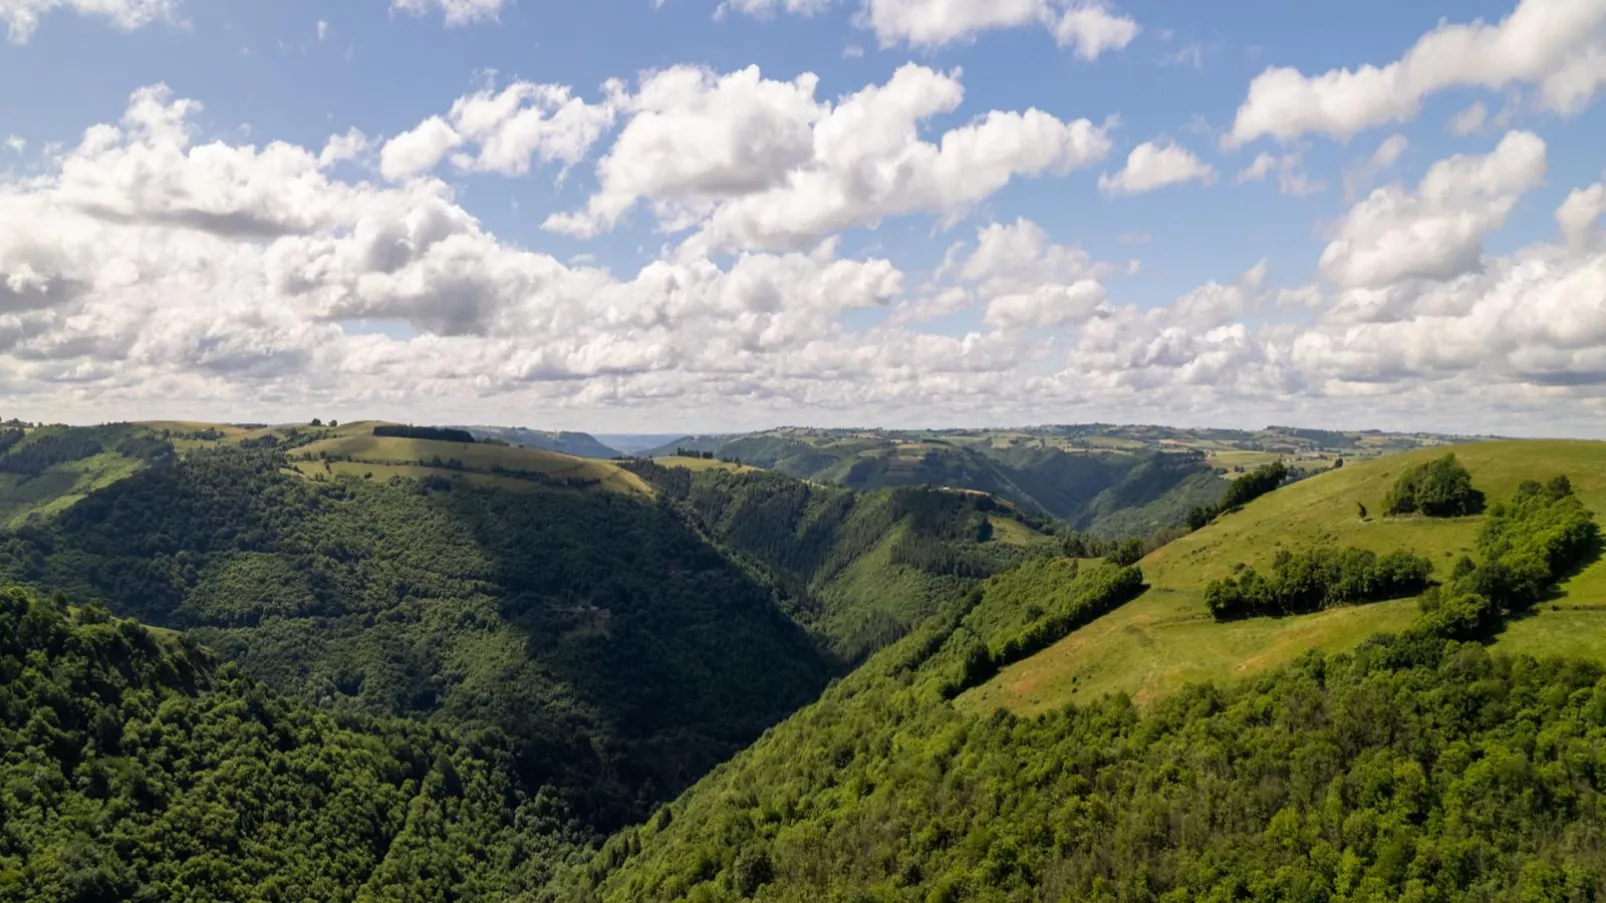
x=1438 y=231
x=456 y=12
x=757 y=163
x=1556 y=46
x=1151 y=166
x=21 y=17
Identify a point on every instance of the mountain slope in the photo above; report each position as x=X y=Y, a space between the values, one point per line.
x=133 y=768
x=1110 y=492
x=44 y=470
x=620 y=650
x=858 y=569
x=1167 y=638
x=1415 y=768
x=581 y=445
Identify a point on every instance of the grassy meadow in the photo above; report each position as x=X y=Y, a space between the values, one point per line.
x=1166 y=638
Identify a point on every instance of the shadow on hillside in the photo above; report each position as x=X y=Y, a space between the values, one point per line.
x=648 y=656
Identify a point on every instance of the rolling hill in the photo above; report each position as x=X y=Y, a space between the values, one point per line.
x=580 y=445
x=1112 y=481
x=623 y=643
x=515 y=652
x=1316 y=765
x=44 y=470
x=1167 y=638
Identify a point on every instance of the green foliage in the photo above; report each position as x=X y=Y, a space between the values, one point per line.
x=1241 y=492
x=1544 y=533
x=1319 y=579
x=1438 y=488
x=131 y=769
x=46 y=450
x=1405 y=771
x=1253 y=485
x=621 y=652
x=1052 y=613
x=857 y=569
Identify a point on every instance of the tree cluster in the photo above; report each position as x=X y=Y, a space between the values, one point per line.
x=1525 y=547
x=434 y=433
x=1318 y=579
x=1437 y=488
x=1240 y=492
x=42 y=452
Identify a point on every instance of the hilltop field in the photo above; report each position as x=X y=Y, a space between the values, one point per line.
x=1166 y=638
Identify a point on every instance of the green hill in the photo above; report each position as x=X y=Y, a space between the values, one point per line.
x=624 y=635
x=487 y=657
x=1112 y=481
x=1412 y=767
x=1167 y=638
x=1111 y=492
x=133 y=767
x=580 y=445
x=44 y=470
x=858 y=569
x=620 y=650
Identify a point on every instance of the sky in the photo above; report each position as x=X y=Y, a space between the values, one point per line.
x=666 y=216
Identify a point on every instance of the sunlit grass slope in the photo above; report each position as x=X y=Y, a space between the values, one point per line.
x=700 y=464
x=1166 y=638
x=386 y=456
x=40 y=495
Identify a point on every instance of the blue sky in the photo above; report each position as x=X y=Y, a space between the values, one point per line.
x=518 y=350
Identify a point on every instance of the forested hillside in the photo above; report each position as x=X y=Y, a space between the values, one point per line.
x=469 y=678
x=1419 y=767
x=621 y=651
x=134 y=768
x=1109 y=492
x=44 y=470
x=859 y=569
x=625 y=644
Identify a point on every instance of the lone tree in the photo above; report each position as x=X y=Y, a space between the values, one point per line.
x=1438 y=488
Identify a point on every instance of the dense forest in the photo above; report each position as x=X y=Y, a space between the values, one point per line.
x=625 y=646
x=133 y=767
x=1418 y=768
x=434 y=690
x=860 y=569
x=620 y=650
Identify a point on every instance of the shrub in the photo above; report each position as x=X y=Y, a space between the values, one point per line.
x=1439 y=488
x=1319 y=579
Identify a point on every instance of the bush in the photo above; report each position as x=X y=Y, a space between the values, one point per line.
x=1440 y=488
x=1319 y=579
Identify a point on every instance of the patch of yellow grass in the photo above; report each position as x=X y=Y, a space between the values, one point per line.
x=701 y=464
x=1012 y=532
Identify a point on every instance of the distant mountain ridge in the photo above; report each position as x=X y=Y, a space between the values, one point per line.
x=582 y=445
x=1107 y=479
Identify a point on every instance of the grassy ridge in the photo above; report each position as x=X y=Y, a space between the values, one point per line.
x=1167 y=639
x=478 y=460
